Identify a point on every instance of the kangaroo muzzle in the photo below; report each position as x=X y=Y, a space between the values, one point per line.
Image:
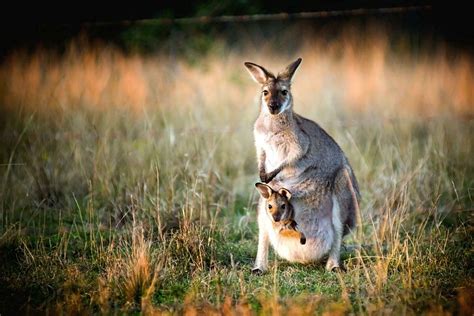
x=274 y=107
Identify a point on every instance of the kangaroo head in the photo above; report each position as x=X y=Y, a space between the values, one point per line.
x=277 y=202
x=276 y=90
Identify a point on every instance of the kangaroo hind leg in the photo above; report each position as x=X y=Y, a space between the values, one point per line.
x=333 y=262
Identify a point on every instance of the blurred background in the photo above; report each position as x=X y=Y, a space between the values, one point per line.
x=410 y=56
x=126 y=144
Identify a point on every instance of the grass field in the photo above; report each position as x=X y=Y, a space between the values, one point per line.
x=127 y=182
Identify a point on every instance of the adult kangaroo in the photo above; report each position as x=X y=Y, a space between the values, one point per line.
x=294 y=152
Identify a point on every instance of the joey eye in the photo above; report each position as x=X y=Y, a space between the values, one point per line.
x=269 y=206
x=265 y=92
x=284 y=92
x=283 y=206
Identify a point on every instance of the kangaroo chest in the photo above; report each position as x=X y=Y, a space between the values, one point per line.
x=278 y=147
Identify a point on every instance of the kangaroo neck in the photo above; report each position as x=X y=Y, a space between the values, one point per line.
x=278 y=122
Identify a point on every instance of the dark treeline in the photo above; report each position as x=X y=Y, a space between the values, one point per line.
x=54 y=25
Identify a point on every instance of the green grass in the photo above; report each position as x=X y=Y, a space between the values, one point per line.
x=115 y=218
x=153 y=210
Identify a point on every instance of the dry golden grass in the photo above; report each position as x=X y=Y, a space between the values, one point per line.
x=362 y=73
x=127 y=181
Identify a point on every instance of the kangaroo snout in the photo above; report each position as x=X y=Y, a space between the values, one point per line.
x=274 y=107
x=276 y=218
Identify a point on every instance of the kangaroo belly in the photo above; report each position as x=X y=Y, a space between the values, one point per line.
x=287 y=245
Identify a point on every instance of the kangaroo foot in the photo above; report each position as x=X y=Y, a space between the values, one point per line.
x=334 y=266
x=338 y=269
x=257 y=271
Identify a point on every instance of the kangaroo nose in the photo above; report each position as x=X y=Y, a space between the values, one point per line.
x=273 y=107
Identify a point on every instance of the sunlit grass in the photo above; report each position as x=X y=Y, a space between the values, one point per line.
x=127 y=182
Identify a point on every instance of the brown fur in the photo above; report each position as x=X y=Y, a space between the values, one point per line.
x=281 y=210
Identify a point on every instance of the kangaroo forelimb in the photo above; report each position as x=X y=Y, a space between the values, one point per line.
x=267 y=177
x=261 y=166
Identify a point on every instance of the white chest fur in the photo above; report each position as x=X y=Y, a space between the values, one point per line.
x=278 y=147
x=272 y=155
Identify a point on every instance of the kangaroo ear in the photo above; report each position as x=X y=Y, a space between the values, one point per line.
x=289 y=71
x=264 y=190
x=284 y=192
x=258 y=73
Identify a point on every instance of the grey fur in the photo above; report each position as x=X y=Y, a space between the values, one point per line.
x=296 y=153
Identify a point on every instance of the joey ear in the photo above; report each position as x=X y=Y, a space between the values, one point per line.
x=284 y=192
x=258 y=73
x=264 y=190
x=289 y=71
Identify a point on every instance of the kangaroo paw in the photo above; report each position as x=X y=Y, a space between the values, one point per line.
x=336 y=268
x=339 y=269
x=333 y=265
x=257 y=271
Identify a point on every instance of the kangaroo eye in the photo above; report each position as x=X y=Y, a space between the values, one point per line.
x=284 y=92
x=265 y=92
x=283 y=206
x=269 y=206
